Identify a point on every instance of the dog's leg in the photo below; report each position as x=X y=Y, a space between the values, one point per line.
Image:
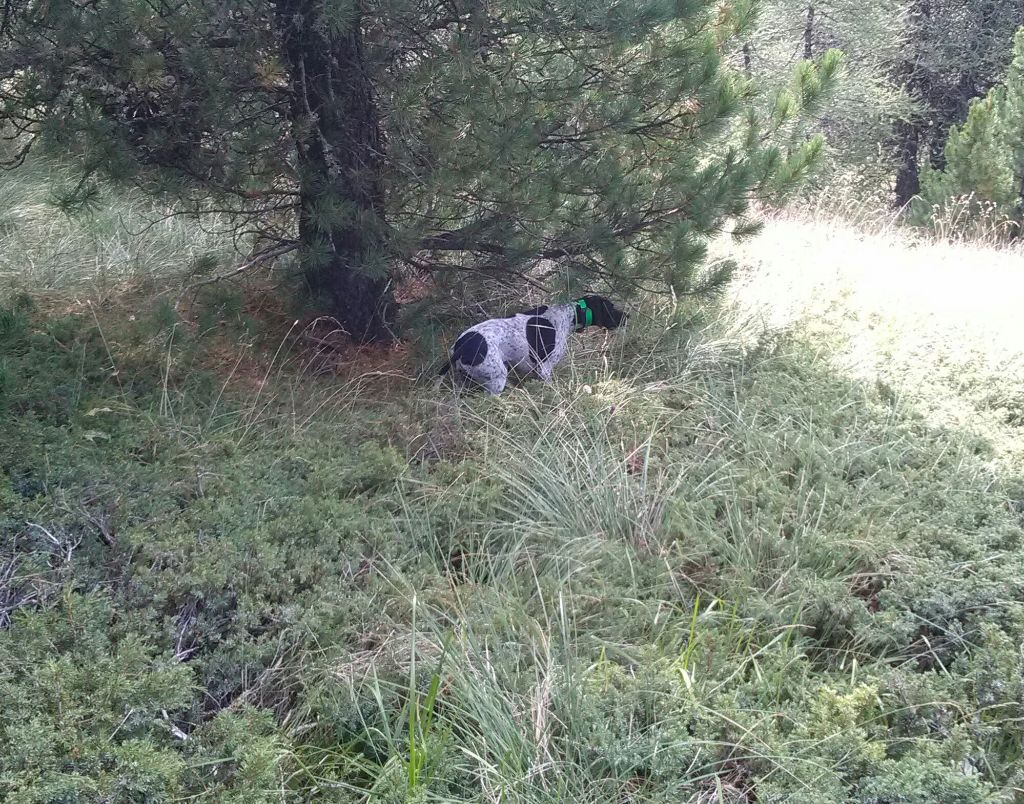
x=561 y=347
x=544 y=369
x=495 y=384
x=491 y=374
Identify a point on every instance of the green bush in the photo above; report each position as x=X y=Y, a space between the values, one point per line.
x=87 y=712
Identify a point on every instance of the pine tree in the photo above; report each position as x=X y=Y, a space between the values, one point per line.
x=1013 y=123
x=984 y=158
x=954 y=51
x=861 y=111
x=378 y=138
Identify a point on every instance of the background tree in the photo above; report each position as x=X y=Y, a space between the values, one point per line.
x=913 y=67
x=955 y=51
x=859 y=116
x=381 y=137
x=984 y=158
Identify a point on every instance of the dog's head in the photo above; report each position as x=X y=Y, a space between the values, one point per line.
x=602 y=313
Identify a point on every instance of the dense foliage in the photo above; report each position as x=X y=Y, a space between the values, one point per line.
x=955 y=51
x=913 y=68
x=858 y=118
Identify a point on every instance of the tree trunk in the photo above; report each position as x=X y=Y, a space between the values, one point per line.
x=809 y=32
x=1018 y=231
x=908 y=182
x=908 y=133
x=335 y=124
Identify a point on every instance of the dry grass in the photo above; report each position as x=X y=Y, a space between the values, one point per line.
x=927 y=316
x=127 y=241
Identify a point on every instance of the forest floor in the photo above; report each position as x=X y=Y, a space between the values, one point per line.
x=774 y=556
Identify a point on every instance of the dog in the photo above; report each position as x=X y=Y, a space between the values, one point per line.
x=535 y=340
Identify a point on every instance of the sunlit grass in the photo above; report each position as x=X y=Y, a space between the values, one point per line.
x=937 y=322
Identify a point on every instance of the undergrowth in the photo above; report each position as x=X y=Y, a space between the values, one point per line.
x=710 y=563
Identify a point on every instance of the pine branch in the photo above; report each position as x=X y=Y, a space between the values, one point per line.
x=260 y=257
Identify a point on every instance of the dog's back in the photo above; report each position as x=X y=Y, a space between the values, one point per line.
x=536 y=339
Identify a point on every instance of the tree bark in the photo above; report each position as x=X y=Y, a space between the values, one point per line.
x=908 y=181
x=909 y=133
x=809 y=32
x=336 y=127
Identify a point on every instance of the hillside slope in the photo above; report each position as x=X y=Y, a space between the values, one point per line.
x=776 y=557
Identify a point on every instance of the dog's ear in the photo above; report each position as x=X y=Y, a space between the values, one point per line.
x=606 y=314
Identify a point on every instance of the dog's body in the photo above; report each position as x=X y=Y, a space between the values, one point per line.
x=534 y=341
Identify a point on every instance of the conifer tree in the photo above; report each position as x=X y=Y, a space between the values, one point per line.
x=984 y=158
x=377 y=137
x=860 y=113
x=953 y=52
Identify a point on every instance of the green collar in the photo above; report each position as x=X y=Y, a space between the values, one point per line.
x=582 y=304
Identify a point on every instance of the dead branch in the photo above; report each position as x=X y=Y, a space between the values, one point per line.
x=260 y=257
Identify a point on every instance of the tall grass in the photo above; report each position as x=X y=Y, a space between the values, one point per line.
x=124 y=238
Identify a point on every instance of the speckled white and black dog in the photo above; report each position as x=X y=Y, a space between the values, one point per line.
x=534 y=341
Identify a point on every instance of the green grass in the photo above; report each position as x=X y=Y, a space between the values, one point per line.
x=123 y=239
x=776 y=555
